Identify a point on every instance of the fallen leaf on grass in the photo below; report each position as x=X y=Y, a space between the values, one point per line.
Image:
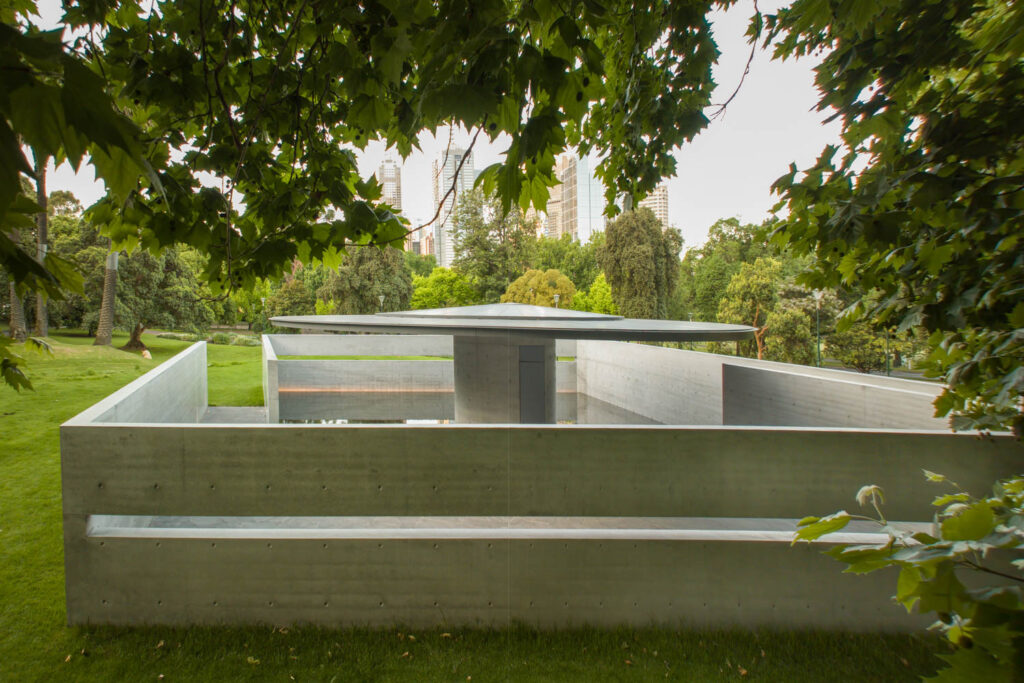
x=629 y=663
x=405 y=654
x=743 y=672
x=252 y=660
x=446 y=635
x=159 y=645
x=67 y=659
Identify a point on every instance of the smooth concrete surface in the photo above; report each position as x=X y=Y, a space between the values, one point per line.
x=234 y=415
x=492 y=372
x=675 y=386
x=548 y=471
x=427 y=582
x=360 y=345
x=768 y=396
x=172 y=392
x=509 y=318
x=513 y=520
x=285 y=380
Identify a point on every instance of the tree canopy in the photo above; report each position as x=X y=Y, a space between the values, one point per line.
x=925 y=202
x=363 y=278
x=641 y=263
x=492 y=247
x=539 y=287
x=443 y=288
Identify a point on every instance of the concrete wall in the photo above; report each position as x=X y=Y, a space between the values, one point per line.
x=763 y=396
x=560 y=570
x=685 y=387
x=285 y=381
x=174 y=391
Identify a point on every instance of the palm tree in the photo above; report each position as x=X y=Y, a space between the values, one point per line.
x=42 y=327
x=105 y=327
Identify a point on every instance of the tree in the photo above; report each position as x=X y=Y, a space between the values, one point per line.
x=291 y=298
x=641 y=263
x=539 y=287
x=442 y=288
x=419 y=264
x=492 y=247
x=597 y=299
x=577 y=261
x=157 y=291
x=63 y=203
x=270 y=99
x=363 y=277
x=108 y=301
x=790 y=339
x=926 y=205
x=42 y=326
x=751 y=296
x=858 y=347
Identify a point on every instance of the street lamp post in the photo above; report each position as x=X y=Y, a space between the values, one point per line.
x=557 y=297
x=888 y=367
x=380 y=298
x=818 y=294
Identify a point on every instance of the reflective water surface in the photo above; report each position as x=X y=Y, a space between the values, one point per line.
x=428 y=407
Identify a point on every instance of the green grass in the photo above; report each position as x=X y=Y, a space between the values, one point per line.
x=36 y=645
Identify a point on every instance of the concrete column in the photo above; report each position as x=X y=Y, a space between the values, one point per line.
x=506 y=379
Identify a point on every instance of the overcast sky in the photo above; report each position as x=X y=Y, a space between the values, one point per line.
x=727 y=170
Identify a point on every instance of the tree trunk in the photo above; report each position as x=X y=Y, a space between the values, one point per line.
x=105 y=330
x=42 y=327
x=135 y=342
x=759 y=340
x=17 y=321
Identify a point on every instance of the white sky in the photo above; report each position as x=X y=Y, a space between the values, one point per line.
x=727 y=170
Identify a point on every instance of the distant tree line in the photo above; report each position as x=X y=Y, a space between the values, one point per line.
x=633 y=269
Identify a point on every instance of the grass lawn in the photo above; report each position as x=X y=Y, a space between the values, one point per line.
x=36 y=645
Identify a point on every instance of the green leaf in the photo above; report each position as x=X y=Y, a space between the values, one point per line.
x=971 y=524
x=972 y=665
x=812 y=528
x=118 y=171
x=906 y=586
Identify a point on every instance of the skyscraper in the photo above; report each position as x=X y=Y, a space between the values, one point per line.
x=390 y=176
x=582 y=205
x=446 y=174
x=657 y=202
x=553 y=222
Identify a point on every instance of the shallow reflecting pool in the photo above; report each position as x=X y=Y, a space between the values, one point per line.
x=428 y=407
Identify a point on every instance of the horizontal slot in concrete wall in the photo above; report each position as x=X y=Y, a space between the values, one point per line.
x=364 y=375
x=676 y=386
x=285 y=471
x=451 y=582
x=360 y=345
x=377 y=345
x=764 y=396
x=174 y=391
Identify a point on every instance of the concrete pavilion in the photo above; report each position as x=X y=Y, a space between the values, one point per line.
x=504 y=354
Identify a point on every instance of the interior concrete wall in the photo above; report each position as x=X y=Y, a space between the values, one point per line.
x=676 y=386
x=767 y=396
x=283 y=471
x=271 y=397
x=283 y=379
x=174 y=391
